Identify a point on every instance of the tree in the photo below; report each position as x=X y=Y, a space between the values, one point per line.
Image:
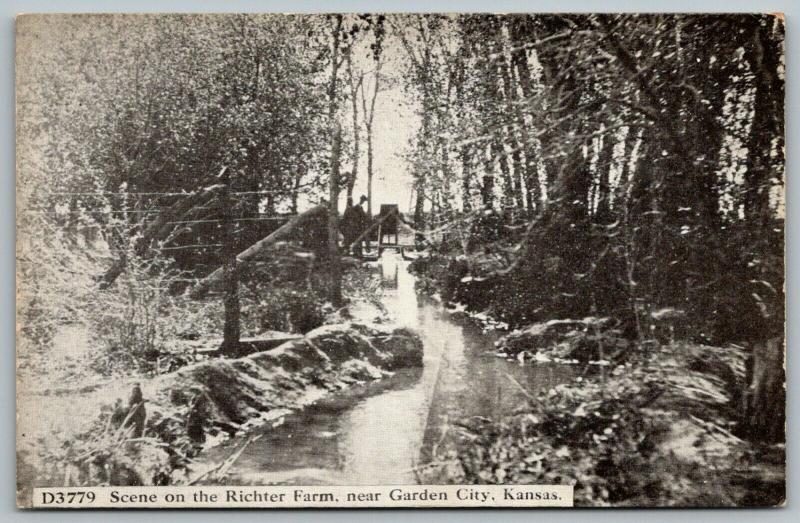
x=423 y=71
x=369 y=118
x=355 y=82
x=335 y=292
x=368 y=109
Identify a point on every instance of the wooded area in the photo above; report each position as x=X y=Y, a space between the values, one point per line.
x=630 y=149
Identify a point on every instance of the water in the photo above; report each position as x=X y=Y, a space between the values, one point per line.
x=377 y=434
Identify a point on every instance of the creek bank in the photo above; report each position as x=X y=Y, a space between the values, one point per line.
x=658 y=422
x=585 y=340
x=664 y=433
x=201 y=405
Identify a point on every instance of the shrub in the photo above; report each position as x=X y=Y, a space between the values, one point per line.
x=280 y=308
x=131 y=316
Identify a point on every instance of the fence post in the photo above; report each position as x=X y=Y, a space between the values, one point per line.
x=232 y=330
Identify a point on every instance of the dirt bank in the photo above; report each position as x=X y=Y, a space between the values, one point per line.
x=223 y=397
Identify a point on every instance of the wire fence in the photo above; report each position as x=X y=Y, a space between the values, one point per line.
x=105 y=218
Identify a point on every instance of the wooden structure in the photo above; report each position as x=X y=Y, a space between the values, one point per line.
x=386 y=224
x=389 y=225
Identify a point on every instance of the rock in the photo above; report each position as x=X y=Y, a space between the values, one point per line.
x=358 y=370
x=404 y=346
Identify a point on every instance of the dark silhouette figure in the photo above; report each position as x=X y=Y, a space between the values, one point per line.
x=136 y=412
x=354 y=223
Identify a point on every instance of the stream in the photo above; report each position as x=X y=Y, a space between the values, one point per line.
x=377 y=433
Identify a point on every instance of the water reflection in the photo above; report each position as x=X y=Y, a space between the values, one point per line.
x=378 y=434
x=390 y=274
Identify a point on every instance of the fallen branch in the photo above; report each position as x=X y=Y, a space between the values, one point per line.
x=159 y=229
x=282 y=233
x=222 y=469
x=520 y=387
x=711 y=427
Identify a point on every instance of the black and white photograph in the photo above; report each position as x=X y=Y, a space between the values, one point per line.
x=400 y=260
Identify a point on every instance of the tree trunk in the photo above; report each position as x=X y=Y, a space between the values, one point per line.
x=765 y=397
x=419 y=210
x=335 y=288
x=296 y=193
x=420 y=174
x=516 y=164
x=627 y=153
x=499 y=153
x=604 y=163
x=369 y=172
x=445 y=190
x=354 y=87
x=512 y=111
x=466 y=178
x=231 y=332
x=519 y=59
x=335 y=291
x=487 y=192
x=764 y=55
x=369 y=117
